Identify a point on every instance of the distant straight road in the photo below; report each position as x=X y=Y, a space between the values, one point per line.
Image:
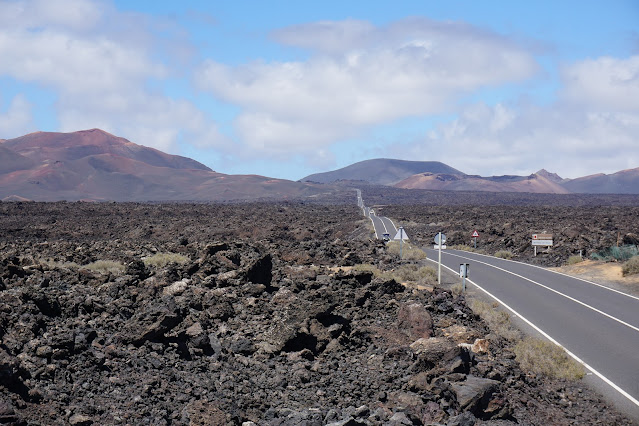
x=381 y=224
x=598 y=325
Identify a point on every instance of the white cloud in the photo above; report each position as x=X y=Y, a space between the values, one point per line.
x=523 y=139
x=360 y=76
x=603 y=83
x=17 y=120
x=99 y=63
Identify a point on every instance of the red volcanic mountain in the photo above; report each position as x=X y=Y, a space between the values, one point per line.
x=622 y=182
x=457 y=182
x=95 y=165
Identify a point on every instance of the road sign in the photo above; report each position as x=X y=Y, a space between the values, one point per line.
x=443 y=237
x=475 y=234
x=547 y=243
x=401 y=235
x=542 y=240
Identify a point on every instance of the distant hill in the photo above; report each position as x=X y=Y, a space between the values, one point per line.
x=455 y=182
x=622 y=182
x=96 y=165
x=434 y=175
x=381 y=171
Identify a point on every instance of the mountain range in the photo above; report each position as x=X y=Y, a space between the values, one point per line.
x=438 y=176
x=98 y=166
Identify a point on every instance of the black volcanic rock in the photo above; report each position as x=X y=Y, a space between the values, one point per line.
x=381 y=171
x=320 y=344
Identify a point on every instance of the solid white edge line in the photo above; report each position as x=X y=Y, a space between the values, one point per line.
x=547 y=336
x=559 y=273
x=551 y=289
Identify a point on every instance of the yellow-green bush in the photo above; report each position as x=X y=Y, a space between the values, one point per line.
x=409 y=251
x=504 y=254
x=423 y=275
x=162 y=259
x=575 y=259
x=631 y=266
x=105 y=266
x=498 y=320
x=545 y=358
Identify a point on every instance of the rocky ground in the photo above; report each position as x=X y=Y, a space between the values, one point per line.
x=252 y=321
x=575 y=229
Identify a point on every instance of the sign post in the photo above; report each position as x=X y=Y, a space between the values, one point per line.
x=440 y=240
x=463 y=272
x=475 y=236
x=544 y=240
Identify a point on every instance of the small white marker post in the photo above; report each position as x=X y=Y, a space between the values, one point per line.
x=401 y=241
x=439 y=266
x=440 y=239
x=463 y=272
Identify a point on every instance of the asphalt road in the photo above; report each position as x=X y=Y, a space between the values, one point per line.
x=597 y=325
x=381 y=224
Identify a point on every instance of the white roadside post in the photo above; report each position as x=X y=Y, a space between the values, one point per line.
x=401 y=241
x=440 y=240
x=463 y=272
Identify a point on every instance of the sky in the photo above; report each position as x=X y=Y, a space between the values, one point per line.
x=290 y=88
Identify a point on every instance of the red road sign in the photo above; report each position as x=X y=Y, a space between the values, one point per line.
x=475 y=234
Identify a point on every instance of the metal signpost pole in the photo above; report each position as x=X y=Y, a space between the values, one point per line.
x=439 y=266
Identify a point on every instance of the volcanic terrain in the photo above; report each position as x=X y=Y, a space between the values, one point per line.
x=95 y=165
x=263 y=314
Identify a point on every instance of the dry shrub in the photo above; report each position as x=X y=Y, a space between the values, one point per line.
x=409 y=251
x=52 y=264
x=545 y=358
x=498 y=320
x=574 y=259
x=457 y=289
x=631 y=266
x=422 y=275
x=504 y=254
x=160 y=260
x=105 y=266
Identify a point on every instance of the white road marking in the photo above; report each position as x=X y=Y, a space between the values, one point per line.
x=553 y=290
x=547 y=336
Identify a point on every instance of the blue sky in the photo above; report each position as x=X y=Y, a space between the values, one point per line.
x=289 y=88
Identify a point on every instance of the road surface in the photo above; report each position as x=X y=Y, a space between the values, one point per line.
x=382 y=224
x=595 y=324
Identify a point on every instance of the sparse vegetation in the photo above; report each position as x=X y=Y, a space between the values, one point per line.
x=574 y=259
x=545 y=358
x=160 y=260
x=504 y=254
x=422 y=275
x=58 y=264
x=498 y=320
x=631 y=266
x=409 y=251
x=105 y=266
x=615 y=253
x=457 y=289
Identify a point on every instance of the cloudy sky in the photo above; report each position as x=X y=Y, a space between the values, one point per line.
x=290 y=88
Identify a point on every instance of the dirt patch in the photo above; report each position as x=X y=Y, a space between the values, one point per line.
x=606 y=273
